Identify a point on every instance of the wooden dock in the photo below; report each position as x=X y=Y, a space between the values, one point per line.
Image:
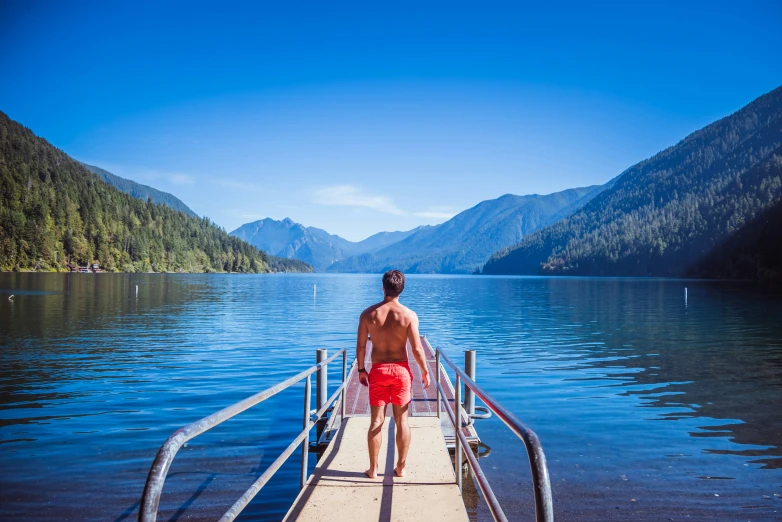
x=338 y=489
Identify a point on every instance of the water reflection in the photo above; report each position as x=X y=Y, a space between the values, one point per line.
x=719 y=360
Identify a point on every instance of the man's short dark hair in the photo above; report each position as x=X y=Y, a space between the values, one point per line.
x=393 y=283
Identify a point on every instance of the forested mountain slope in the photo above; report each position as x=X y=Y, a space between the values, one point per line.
x=754 y=251
x=463 y=243
x=52 y=208
x=666 y=213
x=137 y=190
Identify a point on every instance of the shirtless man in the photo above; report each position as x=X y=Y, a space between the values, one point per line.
x=391 y=325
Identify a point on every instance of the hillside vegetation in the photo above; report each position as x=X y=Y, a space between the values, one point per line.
x=754 y=252
x=667 y=213
x=52 y=208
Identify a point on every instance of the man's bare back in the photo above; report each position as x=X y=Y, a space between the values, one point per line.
x=390 y=325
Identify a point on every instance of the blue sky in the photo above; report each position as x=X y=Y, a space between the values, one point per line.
x=359 y=118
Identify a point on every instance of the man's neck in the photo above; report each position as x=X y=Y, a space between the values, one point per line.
x=387 y=299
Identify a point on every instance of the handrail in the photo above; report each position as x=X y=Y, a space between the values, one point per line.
x=544 y=507
x=483 y=483
x=150 y=500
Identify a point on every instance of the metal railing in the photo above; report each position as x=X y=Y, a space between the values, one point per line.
x=544 y=507
x=153 y=488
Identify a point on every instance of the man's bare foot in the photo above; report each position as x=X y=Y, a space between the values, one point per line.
x=399 y=471
x=371 y=473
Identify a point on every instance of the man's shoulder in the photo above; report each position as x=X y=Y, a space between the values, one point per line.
x=371 y=310
x=410 y=314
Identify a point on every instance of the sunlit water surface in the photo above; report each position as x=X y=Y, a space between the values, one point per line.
x=649 y=406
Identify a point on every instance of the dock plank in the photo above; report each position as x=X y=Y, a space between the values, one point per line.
x=338 y=490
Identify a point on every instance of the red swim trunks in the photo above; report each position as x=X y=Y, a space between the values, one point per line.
x=390 y=382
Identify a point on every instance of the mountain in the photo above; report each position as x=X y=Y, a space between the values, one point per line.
x=309 y=244
x=288 y=240
x=667 y=213
x=371 y=244
x=465 y=242
x=137 y=190
x=52 y=208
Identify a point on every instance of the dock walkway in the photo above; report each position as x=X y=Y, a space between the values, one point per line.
x=338 y=489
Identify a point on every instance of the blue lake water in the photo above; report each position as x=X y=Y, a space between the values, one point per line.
x=648 y=407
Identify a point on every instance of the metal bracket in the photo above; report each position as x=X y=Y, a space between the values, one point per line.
x=485 y=415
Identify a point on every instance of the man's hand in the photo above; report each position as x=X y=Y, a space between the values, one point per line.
x=425 y=380
x=363 y=378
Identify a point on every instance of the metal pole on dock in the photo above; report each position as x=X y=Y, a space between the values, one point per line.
x=321 y=388
x=457 y=428
x=305 y=444
x=437 y=380
x=344 y=391
x=469 y=396
x=322 y=380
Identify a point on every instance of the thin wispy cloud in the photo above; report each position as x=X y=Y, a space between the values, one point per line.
x=181 y=179
x=351 y=196
x=240 y=185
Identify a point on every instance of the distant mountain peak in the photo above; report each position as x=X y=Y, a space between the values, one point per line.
x=286 y=238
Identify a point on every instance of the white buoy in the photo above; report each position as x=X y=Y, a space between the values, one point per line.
x=314 y=290
x=685 y=296
x=11 y=298
x=136 y=290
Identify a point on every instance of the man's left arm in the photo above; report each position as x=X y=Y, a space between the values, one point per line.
x=418 y=350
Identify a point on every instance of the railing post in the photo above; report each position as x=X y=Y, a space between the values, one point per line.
x=437 y=380
x=321 y=389
x=344 y=376
x=457 y=428
x=469 y=396
x=305 y=444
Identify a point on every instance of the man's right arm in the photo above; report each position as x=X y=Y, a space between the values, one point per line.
x=361 y=350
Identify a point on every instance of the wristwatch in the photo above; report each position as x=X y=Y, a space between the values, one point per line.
x=362 y=370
